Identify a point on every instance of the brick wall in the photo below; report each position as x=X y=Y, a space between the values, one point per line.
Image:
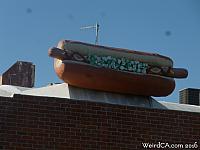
x=41 y=123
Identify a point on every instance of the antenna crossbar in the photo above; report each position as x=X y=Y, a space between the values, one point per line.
x=96 y=27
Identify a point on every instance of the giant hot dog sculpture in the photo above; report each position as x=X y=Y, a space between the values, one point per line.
x=115 y=70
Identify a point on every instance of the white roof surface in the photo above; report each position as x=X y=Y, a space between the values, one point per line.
x=9 y=90
x=70 y=92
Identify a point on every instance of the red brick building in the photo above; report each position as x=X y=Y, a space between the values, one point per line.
x=61 y=117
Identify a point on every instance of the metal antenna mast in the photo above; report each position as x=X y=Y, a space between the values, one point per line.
x=96 y=27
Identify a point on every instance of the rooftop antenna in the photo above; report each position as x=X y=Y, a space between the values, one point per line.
x=96 y=27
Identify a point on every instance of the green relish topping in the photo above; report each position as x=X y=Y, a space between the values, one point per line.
x=122 y=64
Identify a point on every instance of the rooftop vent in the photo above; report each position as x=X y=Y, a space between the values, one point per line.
x=189 y=96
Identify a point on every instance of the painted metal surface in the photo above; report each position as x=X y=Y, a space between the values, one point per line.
x=90 y=77
x=73 y=66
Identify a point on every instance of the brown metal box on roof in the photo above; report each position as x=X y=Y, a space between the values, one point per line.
x=20 y=74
